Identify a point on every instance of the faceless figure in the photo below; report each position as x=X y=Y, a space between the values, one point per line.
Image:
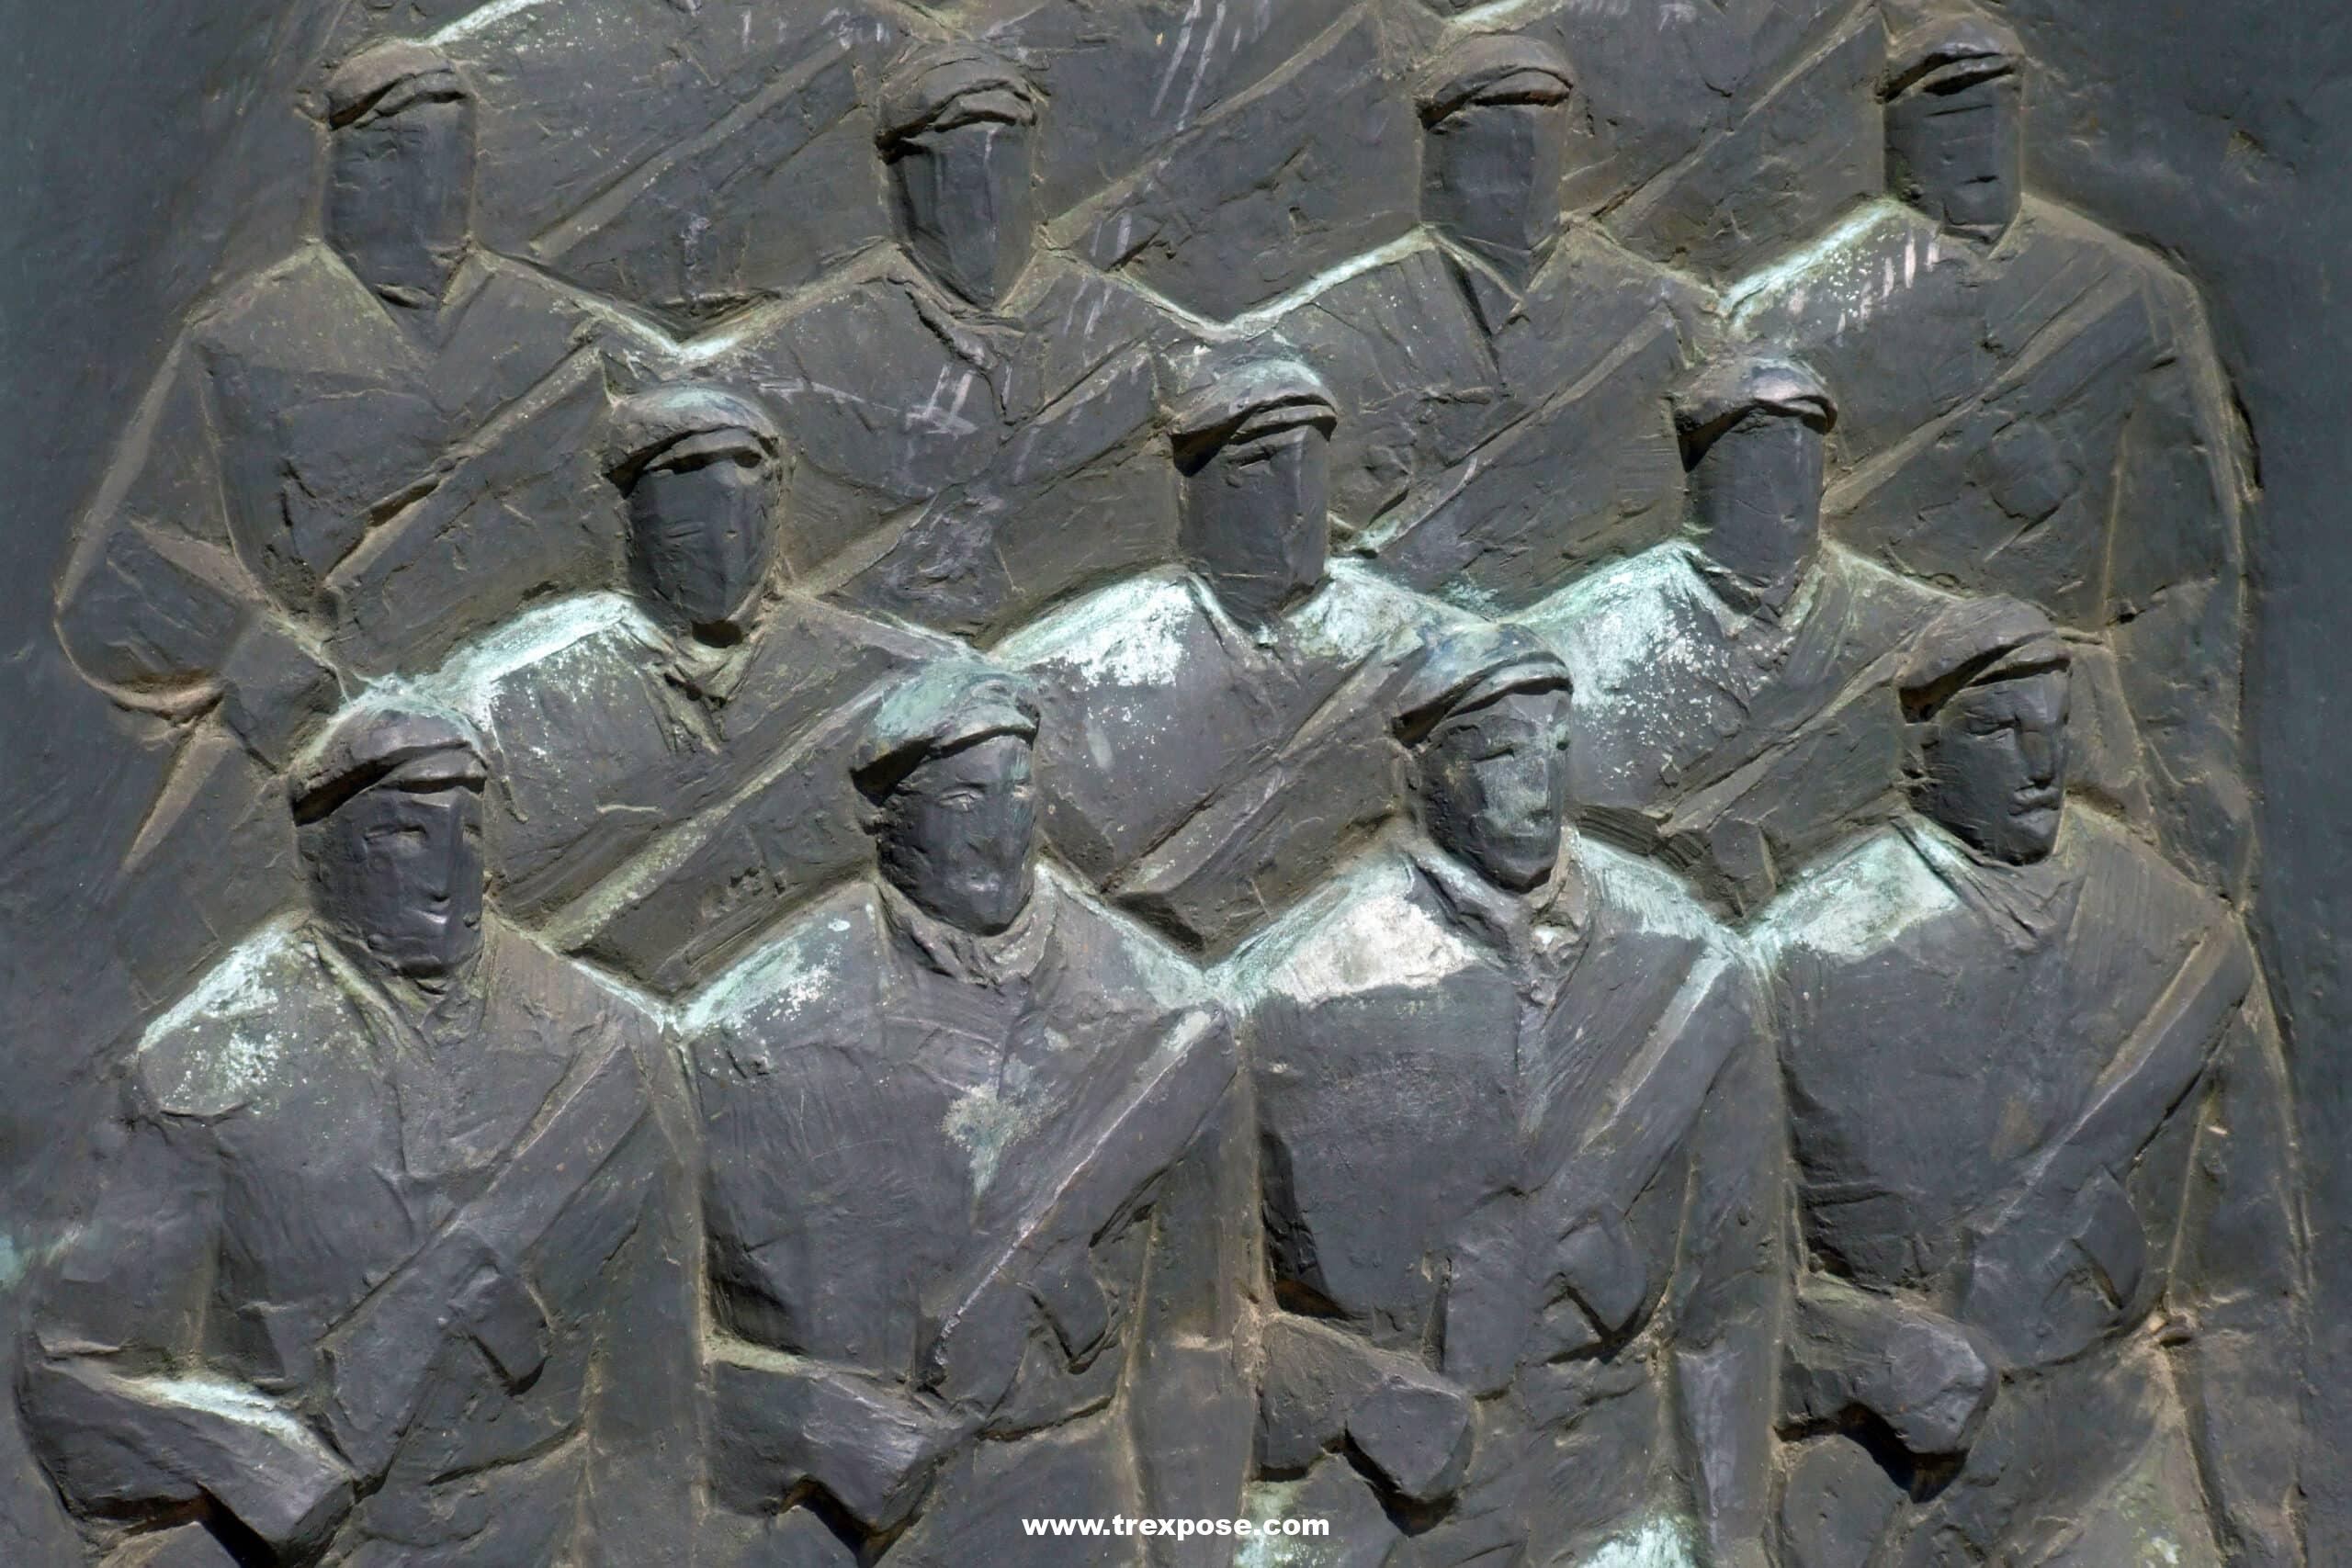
x=708 y=692
x=958 y=121
x=1990 y=747
x=1752 y=433
x=400 y=170
x=391 y=830
x=1954 y=118
x=1495 y=110
x=948 y=1109
x=456 y=1117
x=953 y=832
x=1789 y=634
x=1213 y=733
x=1511 y=1036
x=1253 y=447
x=699 y=465
x=2013 y=1038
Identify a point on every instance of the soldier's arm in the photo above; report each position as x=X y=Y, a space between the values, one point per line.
x=1322 y=1387
x=782 y=1421
x=1191 y=1403
x=2239 y=1290
x=1925 y=1377
x=128 y=1420
x=154 y=606
x=645 y=1399
x=1733 y=1283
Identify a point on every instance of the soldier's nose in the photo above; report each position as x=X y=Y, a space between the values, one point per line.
x=2040 y=755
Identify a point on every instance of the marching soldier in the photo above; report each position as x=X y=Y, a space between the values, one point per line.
x=971 y=418
x=970 y=1189
x=1732 y=687
x=1214 y=731
x=1520 y=1140
x=386 y=1268
x=672 y=762
x=2041 y=1160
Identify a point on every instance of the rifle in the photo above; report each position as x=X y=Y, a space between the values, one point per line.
x=974 y=1353
x=379 y=1355
x=2072 y=1201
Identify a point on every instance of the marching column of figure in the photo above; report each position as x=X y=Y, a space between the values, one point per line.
x=1520 y=1137
x=2041 y=1152
x=1732 y=686
x=1213 y=729
x=385 y=1269
x=966 y=1178
x=2033 y=406
x=971 y=416
x=672 y=762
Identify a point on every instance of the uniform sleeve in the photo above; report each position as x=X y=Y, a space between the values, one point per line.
x=1733 y=1283
x=2239 y=1288
x=122 y=1425
x=156 y=609
x=1193 y=1404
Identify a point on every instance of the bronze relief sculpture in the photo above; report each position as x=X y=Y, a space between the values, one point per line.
x=1052 y=770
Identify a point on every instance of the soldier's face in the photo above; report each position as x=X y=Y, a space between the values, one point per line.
x=964 y=198
x=399 y=195
x=1494 y=786
x=1957 y=152
x=700 y=528
x=399 y=872
x=1995 y=768
x=956 y=835
x=1257 y=516
x=1492 y=181
x=1756 y=496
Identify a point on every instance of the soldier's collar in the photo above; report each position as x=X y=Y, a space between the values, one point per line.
x=1014 y=953
x=1736 y=596
x=418 y=1017
x=1493 y=299
x=2027 y=904
x=1505 y=920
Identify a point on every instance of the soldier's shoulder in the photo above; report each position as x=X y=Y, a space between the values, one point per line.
x=251 y=1018
x=1358 y=612
x=290 y=302
x=1642 y=896
x=1842 y=273
x=558 y=643
x=809 y=978
x=2134 y=876
x=1134 y=632
x=1362 y=932
x=1125 y=956
x=1853 y=902
x=555 y=986
x=1616 y=608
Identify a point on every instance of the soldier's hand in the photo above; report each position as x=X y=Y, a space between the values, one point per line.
x=501 y=1313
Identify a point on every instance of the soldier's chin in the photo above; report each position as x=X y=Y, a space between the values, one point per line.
x=1522 y=865
x=2033 y=833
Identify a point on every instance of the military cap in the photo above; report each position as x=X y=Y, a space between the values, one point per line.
x=945 y=708
x=1950 y=51
x=1493 y=68
x=921 y=89
x=403 y=743
x=1255 y=388
x=650 y=422
x=1470 y=666
x=386 y=78
x=1975 y=641
x=1724 y=393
